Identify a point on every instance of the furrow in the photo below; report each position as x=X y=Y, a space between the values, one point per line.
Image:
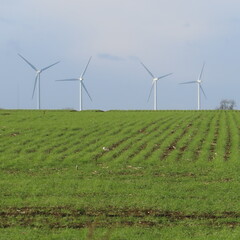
x=129 y=133
x=194 y=148
x=171 y=143
x=235 y=132
x=207 y=148
x=143 y=142
x=186 y=143
x=204 y=136
x=228 y=137
x=157 y=142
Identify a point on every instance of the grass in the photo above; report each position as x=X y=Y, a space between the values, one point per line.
x=161 y=175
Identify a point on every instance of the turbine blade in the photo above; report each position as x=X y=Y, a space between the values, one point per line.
x=201 y=73
x=70 y=79
x=86 y=91
x=188 y=82
x=86 y=67
x=31 y=65
x=151 y=90
x=147 y=70
x=165 y=75
x=35 y=84
x=203 y=91
x=50 y=66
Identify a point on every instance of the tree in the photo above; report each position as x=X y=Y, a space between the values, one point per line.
x=227 y=104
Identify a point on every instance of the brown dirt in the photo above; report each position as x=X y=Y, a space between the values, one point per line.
x=111 y=212
x=66 y=217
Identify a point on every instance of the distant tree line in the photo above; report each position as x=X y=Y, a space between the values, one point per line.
x=227 y=104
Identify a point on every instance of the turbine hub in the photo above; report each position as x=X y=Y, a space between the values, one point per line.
x=81 y=78
x=199 y=81
x=155 y=79
x=39 y=71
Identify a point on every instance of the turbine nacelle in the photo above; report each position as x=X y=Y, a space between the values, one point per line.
x=199 y=82
x=37 y=78
x=81 y=85
x=154 y=84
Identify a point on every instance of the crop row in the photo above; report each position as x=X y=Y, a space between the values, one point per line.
x=127 y=138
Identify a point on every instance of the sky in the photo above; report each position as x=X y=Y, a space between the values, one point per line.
x=168 y=36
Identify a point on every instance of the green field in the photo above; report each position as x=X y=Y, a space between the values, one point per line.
x=119 y=175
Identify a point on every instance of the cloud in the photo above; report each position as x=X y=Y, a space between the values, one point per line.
x=123 y=26
x=110 y=57
x=167 y=35
x=6 y=21
x=133 y=58
x=126 y=27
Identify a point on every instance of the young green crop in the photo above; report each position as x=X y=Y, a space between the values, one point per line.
x=119 y=174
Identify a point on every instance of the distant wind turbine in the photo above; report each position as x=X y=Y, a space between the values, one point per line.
x=154 y=85
x=81 y=85
x=199 y=82
x=37 y=79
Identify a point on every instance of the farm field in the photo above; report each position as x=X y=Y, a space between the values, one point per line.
x=119 y=175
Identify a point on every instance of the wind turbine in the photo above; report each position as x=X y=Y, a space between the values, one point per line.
x=154 y=85
x=199 y=82
x=81 y=85
x=37 y=79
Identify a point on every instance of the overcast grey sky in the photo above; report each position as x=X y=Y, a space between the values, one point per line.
x=167 y=35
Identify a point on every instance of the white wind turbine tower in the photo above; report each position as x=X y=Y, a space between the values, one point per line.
x=199 y=82
x=154 y=85
x=81 y=85
x=37 y=79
